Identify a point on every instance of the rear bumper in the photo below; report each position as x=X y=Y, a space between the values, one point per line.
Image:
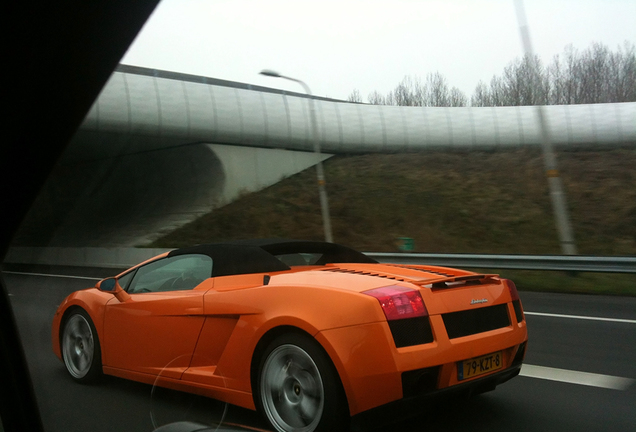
x=412 y=406
x=374 y=372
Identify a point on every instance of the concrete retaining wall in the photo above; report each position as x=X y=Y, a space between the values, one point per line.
x=82 y=257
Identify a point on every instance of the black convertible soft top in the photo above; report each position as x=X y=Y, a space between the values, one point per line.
x=259 y=256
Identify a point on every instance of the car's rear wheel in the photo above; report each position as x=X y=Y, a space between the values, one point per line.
x=80 y=347
x=298 y=387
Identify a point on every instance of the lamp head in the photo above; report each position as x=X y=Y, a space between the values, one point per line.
x=270 y=73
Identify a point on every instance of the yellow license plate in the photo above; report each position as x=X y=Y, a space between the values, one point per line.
x=479 y=365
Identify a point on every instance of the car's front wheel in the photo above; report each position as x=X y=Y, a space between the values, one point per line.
x=80 y=347
x=298 y=387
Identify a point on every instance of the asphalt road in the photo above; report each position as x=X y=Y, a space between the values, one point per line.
x=567 y=341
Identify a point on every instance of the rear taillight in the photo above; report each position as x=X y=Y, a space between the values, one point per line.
x=514 y=294
x=516 y=302
x=399 y=302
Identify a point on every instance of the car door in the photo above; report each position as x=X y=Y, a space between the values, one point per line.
x=156 y=330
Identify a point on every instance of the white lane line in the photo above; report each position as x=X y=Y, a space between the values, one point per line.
x=575 y=377
x=52 y=275
x=620 y=320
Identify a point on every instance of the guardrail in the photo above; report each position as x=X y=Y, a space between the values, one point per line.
x=126 y=257
x=579 y=263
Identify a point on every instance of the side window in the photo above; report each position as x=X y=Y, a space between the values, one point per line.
x=178 y=273
x=299 y=259
x=125 y=279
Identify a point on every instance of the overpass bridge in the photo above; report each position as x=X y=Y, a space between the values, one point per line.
x=159 y=148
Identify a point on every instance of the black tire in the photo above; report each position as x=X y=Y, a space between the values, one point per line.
x=80 y=347
x=298 y=388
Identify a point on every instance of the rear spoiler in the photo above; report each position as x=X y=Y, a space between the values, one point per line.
x=452 y=281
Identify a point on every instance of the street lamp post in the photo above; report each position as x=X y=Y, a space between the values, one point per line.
x=557 y=193
x=320 y=174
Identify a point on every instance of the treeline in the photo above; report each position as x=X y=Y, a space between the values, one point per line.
x=434 y=91
x=595 y=75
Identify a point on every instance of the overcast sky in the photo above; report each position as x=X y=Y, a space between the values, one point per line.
x=336 y=46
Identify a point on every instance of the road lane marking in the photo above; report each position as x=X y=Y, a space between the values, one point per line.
x=532 y=371
x=575 y=377
x=52 y=275
x=620 y=320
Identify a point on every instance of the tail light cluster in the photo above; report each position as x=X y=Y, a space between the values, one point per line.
x=514 y=294
x=406 y=314
x=399 y=302
x=516 y=302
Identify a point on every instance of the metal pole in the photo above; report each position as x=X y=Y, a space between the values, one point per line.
x=557 y=194
x=320 y=174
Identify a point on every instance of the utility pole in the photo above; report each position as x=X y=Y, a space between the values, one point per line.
x=557 y=194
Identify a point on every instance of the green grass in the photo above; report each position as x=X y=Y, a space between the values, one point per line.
x=570 y=282
x=449 y=202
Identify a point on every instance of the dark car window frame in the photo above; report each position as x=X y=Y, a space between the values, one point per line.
x=125 y=279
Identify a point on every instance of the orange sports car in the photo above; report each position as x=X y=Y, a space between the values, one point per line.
x=312 y=334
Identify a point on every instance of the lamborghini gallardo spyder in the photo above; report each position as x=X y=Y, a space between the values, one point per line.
x=311 y=334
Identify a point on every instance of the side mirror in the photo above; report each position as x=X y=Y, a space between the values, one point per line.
x=108 y=285
x=111 y=285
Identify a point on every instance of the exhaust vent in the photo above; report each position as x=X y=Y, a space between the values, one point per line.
x=473 y=321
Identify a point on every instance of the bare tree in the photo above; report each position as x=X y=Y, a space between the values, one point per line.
x=571 y=73
x=522 y=83
x=481 y=96
x=457 y=98
x=596 y=75
x=376 y=98
x=437 y=89
x=409 y=92
x=497 y=91
x=355 y=96
x=412 y=92
x=556 y=76
x=622 y=71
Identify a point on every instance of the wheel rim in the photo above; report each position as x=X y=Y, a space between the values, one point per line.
x=291 y=390
x=78 y=346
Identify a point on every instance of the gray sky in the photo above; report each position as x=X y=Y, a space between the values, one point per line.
x=336 y=46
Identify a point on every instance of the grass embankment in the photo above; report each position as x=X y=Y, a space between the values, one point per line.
x=464 y=202
x=567 y=282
